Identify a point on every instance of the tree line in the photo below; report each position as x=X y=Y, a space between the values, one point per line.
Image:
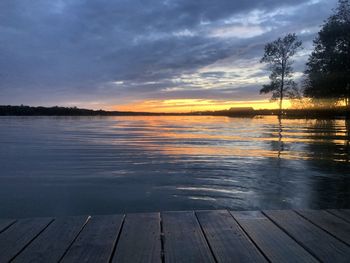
x=327 y=73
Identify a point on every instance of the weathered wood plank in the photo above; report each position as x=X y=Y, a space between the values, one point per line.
x=273 y=242
x=140 y=239
x=19 y=235
x=341 y=213
x=227 y=240
x=184 y=240
x=328 y=222
x=318 y=242
x=204 y=236
x=53 y=242
x=96 y=241
x=5 y=223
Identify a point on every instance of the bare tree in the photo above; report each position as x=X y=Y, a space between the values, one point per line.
x=278 y=55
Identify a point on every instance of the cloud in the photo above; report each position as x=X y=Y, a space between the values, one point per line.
x=100 y=52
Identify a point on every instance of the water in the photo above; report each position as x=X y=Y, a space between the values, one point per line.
x=55 y=166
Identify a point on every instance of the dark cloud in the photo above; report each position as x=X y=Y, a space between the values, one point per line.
x=106 y=52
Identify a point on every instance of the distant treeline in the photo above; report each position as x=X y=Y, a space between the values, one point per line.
x=233 y=112
x=66 y=111
x=45 y=111
x=289 y=113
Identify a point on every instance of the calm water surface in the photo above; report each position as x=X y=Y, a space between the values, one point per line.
x=102 y=165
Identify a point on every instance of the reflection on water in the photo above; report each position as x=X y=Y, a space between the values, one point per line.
x=82 y=165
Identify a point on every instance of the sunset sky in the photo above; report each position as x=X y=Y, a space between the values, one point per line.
x=171 y=55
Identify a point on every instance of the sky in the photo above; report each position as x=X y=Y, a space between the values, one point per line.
x=147 y=55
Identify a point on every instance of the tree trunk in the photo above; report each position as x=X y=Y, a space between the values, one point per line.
x=347 y=101
x=347 y=107
x=281 y=100
x=282 y=90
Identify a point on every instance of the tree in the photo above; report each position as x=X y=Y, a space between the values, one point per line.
x=328 y=67
x=278 y=55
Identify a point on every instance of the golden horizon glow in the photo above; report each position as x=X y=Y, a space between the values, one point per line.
x=190 y=105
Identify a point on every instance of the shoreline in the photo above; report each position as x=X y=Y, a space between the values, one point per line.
x=335 y=113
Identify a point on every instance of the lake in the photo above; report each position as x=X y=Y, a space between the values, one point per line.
x=55 y=166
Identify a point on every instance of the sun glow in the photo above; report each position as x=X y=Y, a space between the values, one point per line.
x=190 y=105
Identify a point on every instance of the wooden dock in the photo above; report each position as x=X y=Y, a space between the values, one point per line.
x=189 y=236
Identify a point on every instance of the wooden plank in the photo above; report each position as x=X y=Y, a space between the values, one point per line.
x=140 y=239
x=19 y=235
x=318 y=242
x=96 y=241
x=328 y=222
x=273 y=242
x=53 y=242
x=346 y=211
x=341 y=213
x=227 y=240
x=5 y=223
x=183 y=238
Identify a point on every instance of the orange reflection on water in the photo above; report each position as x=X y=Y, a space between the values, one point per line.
x=203 y=136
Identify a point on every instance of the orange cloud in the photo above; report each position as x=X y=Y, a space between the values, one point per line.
x=188 y=105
